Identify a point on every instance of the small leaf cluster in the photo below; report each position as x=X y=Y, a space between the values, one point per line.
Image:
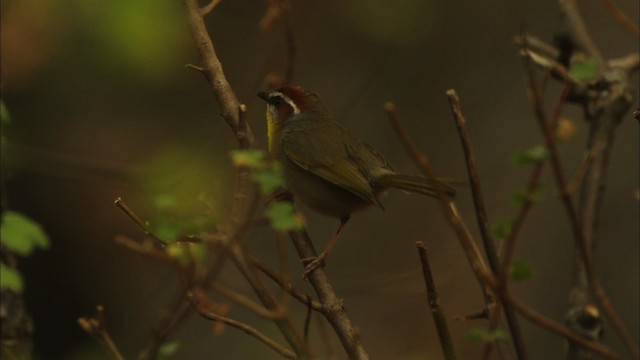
x=20 y=235
x=486 y=336
x=268 y=176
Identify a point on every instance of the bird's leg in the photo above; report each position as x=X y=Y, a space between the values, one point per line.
x=312 y=263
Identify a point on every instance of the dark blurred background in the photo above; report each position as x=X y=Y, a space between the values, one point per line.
x=102 y=106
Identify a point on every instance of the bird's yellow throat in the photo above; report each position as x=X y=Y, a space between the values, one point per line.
x=273 y=128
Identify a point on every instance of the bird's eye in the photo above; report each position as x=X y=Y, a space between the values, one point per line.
x=276 y=101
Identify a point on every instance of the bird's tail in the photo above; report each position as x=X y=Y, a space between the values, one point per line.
x=416 y=184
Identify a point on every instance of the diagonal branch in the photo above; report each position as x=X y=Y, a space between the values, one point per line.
x=582 y=244
x=483 y=224
x=211 y=315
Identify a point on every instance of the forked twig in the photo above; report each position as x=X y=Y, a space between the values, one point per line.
x=548 y=323
x=584 y=248
x=211 y=315
x=96 y=327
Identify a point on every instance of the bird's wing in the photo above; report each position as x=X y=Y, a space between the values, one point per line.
x=325 y=154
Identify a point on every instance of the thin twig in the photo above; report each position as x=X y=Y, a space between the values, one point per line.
x=450 y=210
x=207 y=9
x=208 y=314
x=582 y=245
x=622 y=18
x=334 y=310
x=579 y=30
x=96 y=327
x=145 y=250
x=284 y=322
x=287 y=286
x=120 y=204
x=247 y=303
x=548 y=323
x=483 y=222
x=212 y=69
x=439 y=318
x=534 y=178
x=175 y=315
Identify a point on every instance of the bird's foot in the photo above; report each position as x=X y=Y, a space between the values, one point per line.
x=310 y=264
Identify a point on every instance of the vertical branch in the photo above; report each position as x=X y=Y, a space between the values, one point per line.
x=434 y=304
x=284 y=323
x=334 y=310
x=583 y=246
x=233 y=113
x=579 y=29
x=483 y=223
x=448 y=206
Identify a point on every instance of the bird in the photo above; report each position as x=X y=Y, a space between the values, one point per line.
x=326 y=167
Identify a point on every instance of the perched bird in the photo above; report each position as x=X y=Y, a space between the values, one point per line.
x=325 y=166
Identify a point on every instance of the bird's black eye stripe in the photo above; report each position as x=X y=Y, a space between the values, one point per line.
x=275 y=100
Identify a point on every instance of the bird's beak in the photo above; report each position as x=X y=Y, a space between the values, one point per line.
x=264 y=96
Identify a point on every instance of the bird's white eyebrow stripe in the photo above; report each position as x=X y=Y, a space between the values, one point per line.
x=296 y=110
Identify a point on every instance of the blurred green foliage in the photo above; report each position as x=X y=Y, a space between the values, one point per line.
x=486 y=336
x=283 y=216
x=10 y=279
x=268 y=176
x=584 y=70
x=182 y=185
x=21 y=235
x=5 y=118
x=386 y=22
x=530 y=156
x=141 y=37
x=502 y=228
x=524 y=196
x=519 y=271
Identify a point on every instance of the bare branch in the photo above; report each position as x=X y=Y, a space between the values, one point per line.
x=287 y=286
x=207 y=9
x=208 y=314
x=119 y=203
x=449 y=208
x=97 y=327
x=622 y=18
x=215 y=75
x=483 y=222
x=439 y=318
x=549 y=323
x=582 y=244
x=247 y=303
x=579 y=29
x=334 y=310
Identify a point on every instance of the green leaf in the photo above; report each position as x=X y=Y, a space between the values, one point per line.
x=168 y=350
x=283 y=216
x=520 y=271
x=502 y=228
x=525 y=196
x=486 y=336
x=249 y=158
x=5 y=118
x=10 y=279
x=530 y=156
x=269 y=179
x=584 y=70
x=21 y=234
